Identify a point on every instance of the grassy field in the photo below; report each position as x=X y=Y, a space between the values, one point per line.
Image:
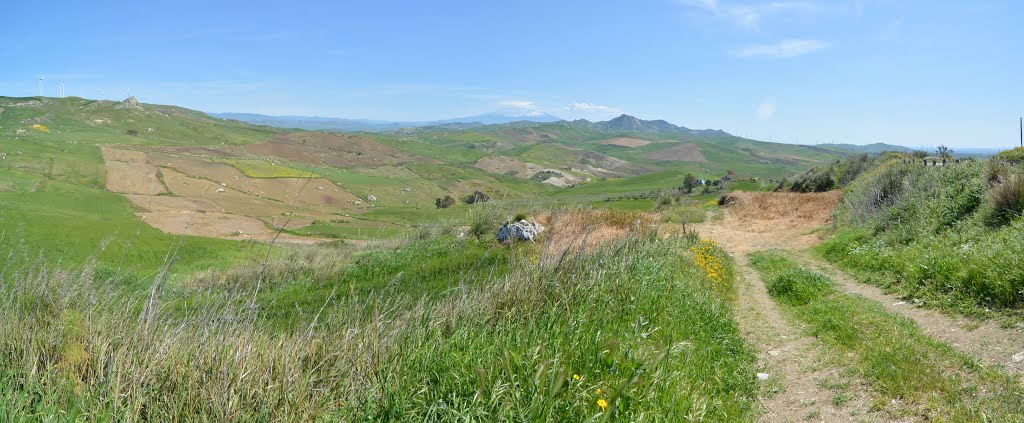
x=439 y=329
x=942 y=236
x=902 y=364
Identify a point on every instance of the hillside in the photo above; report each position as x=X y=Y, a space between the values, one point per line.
x=167 y=265
x=317 y=123
x=163 y=163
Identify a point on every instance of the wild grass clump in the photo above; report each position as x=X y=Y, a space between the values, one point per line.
x=947 y=236
x=632 y=330
x=902 y=364
x=996 y=171
x=837 y=175
x=1007 y=199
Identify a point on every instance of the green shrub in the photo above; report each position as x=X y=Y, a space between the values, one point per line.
x=1007 y=200
x=1013 y=156
x=444 y=202
x=996 y=171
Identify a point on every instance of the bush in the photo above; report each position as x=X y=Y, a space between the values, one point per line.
x=996 y=171
x=477 y=197
x=1007 y=200
x=444 y=202
x=1013 y=156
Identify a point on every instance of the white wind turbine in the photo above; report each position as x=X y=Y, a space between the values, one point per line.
x=41 y=85
x=61 y=89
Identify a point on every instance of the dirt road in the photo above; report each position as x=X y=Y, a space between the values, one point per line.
x=799 y=377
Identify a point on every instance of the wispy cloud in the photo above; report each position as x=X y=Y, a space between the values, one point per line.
x=517 y=104
x=585 y=107
x=766 y=110
x=750 y=14
x=783 y=49
x=592 y=111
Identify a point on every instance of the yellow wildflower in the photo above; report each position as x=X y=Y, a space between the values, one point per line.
x=602 y=403
x=599 y=391
x=575 y=377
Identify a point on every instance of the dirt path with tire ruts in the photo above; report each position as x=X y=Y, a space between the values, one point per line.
x=799 y=381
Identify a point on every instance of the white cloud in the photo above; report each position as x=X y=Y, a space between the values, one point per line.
x=749 y=15
x=586 y=110
x=517 y=104
x=585 y=107
x=784 y=48
x=766 y=110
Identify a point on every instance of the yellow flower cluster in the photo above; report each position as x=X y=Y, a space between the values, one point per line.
x=40 y=128
x=708 y=262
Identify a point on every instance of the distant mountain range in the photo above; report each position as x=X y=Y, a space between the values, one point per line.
x=623 y=123
x=352 y=125
x=875 y=148
x=627 y=123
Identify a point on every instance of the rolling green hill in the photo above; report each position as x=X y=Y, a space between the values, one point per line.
x=169 y=161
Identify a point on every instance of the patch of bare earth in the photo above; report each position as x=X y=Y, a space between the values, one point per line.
x=563 y=179
x=218 y=225
x=798 y=371
x=688 y=152
x=241 y=208
x=507 y=166
x=128 y=173
x=626 y=142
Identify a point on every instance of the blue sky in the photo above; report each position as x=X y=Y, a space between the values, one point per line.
x=916 y=73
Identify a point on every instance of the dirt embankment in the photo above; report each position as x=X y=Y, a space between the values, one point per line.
x=761 y=220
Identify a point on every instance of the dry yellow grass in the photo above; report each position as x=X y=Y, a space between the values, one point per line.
x=784 y=209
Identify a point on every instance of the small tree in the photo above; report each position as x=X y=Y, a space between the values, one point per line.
x=944 y=152
x=689 y=182
x=477 y=197
x=444 y=202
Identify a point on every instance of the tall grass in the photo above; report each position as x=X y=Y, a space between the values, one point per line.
x=946 y=236
x=632 y=330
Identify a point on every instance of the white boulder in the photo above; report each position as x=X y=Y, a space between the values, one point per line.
x=519 y=231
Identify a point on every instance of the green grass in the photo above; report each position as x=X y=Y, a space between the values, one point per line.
x=68 y=224
x=927 y=234
x=893 y=354
x=349 y=231
x=266 y=169
x=438 y=330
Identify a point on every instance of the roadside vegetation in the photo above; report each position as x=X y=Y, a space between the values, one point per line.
x=946 y=236
x=431 y=328
x=911 y=374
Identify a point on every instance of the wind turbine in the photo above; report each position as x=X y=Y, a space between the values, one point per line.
x=41 y=85
x=61 y=89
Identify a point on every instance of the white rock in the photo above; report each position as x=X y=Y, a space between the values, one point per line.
x=220 y=189
x=320 y=188
x=371 y=198
x=519 y=231
x=763 y=376
x=1018 y=357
